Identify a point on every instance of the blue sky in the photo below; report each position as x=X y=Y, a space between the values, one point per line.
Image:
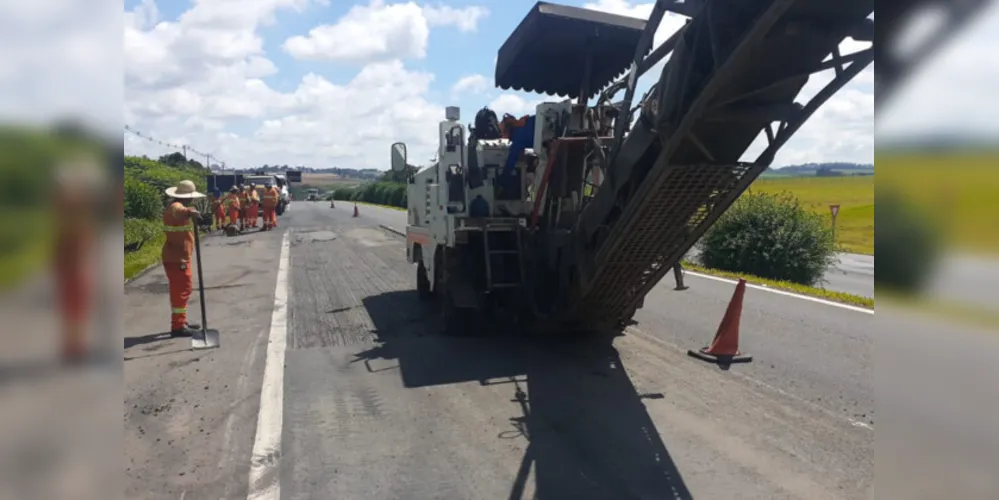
x=327 y=83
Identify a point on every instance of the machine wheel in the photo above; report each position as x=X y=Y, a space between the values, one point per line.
x=423 y=282
x=456 y=321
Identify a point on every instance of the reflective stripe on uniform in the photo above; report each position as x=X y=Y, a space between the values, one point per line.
x=178 y=229
x=179 y=310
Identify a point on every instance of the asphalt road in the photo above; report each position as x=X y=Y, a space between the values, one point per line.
x=338 y=385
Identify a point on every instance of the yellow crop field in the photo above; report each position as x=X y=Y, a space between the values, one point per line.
x=854 y=195
x=959 y=190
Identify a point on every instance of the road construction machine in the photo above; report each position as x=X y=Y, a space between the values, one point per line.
x=564 y=219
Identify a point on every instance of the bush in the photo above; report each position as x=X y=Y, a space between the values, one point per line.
x=344 y=194
x=142 y=201
x=770 y=236
x=381 y=193
x=138 y=232
x=908 y=243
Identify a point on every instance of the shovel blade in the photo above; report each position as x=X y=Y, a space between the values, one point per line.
x=206 y=339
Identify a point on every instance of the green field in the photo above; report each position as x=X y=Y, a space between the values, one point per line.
x=854 y=195
x=959 y=190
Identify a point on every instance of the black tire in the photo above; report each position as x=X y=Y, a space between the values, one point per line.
x=423 y=282
x=456 y=321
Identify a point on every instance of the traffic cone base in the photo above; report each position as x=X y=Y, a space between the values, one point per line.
x=704 y=355
x=355 y=210
x=724 y=349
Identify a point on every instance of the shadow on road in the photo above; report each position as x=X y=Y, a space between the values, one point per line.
x=589 y=434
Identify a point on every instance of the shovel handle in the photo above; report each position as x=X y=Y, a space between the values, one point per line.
x=201 y=281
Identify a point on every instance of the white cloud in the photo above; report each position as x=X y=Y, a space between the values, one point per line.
x=950 y=93
x=470 y=84
x=60 y=60
x=515 y=105
x=466 y=19
x=199 y=81
x=380 y=31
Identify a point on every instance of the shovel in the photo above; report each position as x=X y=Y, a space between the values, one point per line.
x=206 y=339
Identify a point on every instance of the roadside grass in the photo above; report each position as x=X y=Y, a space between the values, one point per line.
x=854 y=195
x=844 y=298
x=958 y=189
x=27 y=245
x=147 y=255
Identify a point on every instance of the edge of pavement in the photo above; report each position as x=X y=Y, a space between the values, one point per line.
x=392 y=230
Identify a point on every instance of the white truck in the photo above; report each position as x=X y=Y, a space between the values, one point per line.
x=465 y=211
x=277 y=180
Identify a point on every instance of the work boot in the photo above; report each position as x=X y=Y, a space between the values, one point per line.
x=187 y=331
x=194 y=326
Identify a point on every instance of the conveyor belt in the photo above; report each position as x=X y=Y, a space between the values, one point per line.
x=736 y=71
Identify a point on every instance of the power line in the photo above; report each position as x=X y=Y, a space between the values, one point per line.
x=183 y=147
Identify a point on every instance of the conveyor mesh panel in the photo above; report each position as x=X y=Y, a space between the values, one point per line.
x=658 y=233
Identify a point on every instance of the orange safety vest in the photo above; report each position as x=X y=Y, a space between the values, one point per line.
x=271 y=198
x=243 y=199
x=510 y=123
x=179 y=244
x=231 y=202
x=254 y=197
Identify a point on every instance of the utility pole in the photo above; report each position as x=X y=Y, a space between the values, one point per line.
x=208 y=161
x=185 y=153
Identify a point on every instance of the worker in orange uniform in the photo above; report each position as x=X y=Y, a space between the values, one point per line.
x=244 y=206
x=179 y=223
x=270 y=201
x=218 y=210
x=231 y=203
x=77 y=184
x=254 y=211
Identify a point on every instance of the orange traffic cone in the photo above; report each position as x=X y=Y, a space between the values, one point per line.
x=332 y=205
x=355 y=210
x=724 y=348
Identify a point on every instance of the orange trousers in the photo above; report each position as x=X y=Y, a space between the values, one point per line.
x=220 y=218
x=233 y=216
x=74 y=283
x=181 y=284
x=270 y=218
x=254 y=213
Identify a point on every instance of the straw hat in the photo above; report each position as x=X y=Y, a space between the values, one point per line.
x=82 y=173
x=184 y=190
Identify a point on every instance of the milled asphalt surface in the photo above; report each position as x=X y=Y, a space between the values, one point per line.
x=378 y=404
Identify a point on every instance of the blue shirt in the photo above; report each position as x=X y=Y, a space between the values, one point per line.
x=521 y=139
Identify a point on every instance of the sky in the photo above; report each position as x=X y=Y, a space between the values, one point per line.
x=325 y=83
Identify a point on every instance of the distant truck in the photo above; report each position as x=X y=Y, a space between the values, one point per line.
x=223 y=182
x=313 y=194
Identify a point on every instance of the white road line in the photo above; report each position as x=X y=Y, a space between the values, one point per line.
x=667 y=345
x=266 y=458
x=782 y=292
